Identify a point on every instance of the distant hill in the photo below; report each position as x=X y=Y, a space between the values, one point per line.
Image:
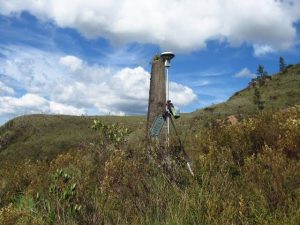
x=45 y=136
x=283 y=90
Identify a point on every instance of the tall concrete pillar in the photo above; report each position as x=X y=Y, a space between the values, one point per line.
x=157 y=93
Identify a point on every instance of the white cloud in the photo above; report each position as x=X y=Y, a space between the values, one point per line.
x=32 y=103
x=203 y=82
x=58 y=108
x=5 y=90
x=181 y=95
x=200 y=83
x=29 y=100
x=72 y=62
x=86 y=89
x=245 y=72
x=260 y=50
x=180 y=25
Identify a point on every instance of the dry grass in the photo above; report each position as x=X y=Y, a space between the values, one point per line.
x=247 y=173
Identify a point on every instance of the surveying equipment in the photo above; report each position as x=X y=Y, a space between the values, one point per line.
x=167 y=56
x=161 y=109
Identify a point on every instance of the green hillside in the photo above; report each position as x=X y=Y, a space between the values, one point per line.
x=283 y=90
x=45 y=136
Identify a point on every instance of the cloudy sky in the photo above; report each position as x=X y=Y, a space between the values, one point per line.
x=93 y=56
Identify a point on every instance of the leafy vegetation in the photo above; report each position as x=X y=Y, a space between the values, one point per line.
x=247 y=173
x=156 y=57
x=111 y=133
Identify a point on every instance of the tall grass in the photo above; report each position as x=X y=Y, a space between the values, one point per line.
x=247 y=173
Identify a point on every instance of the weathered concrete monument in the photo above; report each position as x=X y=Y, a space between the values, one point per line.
x=157 y=95
x=161 y=109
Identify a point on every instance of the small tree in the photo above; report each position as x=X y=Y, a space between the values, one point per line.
x=261 y=71
x=282 y=65
x=257 y=99
x=261 y=75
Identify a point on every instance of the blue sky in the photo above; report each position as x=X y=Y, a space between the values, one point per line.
x=93 y=57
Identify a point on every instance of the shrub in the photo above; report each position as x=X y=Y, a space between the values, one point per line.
x=111 y=133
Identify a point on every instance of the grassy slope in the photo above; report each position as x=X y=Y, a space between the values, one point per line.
x=131 y=185
x=280 y=92
x=45 y=136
